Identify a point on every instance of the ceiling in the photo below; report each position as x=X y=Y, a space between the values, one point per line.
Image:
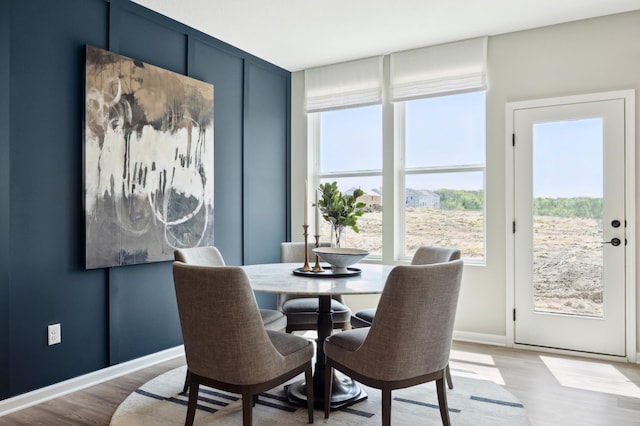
x=300 y=34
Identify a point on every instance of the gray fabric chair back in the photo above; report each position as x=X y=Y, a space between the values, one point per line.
x=294 y=252
x=221 y=325
x=210 y=256
x=425 y=255
x=412 y=333
x=203 y=256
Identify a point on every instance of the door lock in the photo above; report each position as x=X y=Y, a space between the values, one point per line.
x=615 y=223
x=614 y=242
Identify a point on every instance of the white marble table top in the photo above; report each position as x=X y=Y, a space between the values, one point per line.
x=279 y=278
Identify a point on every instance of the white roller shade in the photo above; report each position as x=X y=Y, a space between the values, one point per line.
x=348 y=84
x=435 y=70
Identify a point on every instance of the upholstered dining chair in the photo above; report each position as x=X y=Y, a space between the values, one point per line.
x=225 y=342
x=272 y=319
x=409 y=341
x=424 y=255
x=211 y=256
x=302 y=312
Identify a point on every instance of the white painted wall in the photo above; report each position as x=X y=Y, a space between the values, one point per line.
x=594 y=55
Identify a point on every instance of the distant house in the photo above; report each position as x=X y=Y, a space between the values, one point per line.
x=370 y=198
x=422 y=198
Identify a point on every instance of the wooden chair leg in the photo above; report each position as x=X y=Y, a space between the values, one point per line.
x=328 y=375
x=308 y=377
x=386 y=407
x=442 y=402
x=193 y=401
x=247 y=407
x=187 y=381
x=448 y=374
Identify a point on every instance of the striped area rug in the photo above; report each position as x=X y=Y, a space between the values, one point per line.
x=473 y=401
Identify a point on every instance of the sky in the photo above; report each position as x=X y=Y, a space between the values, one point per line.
x=568 y=158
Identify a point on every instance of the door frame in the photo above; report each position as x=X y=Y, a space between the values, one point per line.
x=630 y=212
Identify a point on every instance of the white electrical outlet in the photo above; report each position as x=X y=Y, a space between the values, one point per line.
x=54 y=335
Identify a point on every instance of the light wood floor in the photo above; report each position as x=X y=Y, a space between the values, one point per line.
x=555 y=389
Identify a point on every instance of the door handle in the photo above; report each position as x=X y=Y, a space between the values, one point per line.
x=614 y=242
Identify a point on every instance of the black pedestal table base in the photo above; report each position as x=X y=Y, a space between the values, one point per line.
x=344 y=390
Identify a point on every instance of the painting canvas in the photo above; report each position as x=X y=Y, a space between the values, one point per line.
x=148 y=159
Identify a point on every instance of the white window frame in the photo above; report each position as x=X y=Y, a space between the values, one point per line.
x=403 y=172
x=393 y=175
x=393 y=171
x=314 y=122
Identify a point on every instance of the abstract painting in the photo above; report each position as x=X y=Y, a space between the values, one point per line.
x=148 y=161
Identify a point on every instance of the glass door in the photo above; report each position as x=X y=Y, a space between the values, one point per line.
x=569 y=234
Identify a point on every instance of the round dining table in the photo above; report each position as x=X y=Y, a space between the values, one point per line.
x=362 y=278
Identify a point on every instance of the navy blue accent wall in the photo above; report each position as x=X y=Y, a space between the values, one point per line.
x=47 y=281
x=5 y=58
x=225 y=70
x=143 y=316
x=266 y=136
x=263 y=104
x=113 y=315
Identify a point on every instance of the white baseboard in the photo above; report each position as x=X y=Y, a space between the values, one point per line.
x=497 y=340
x=487 y=339
x=59 y=389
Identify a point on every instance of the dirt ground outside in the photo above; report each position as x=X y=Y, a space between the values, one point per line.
x=567 y=266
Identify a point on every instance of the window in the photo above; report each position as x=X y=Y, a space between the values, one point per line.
x=444 y=151
x=425 y=109
x=442 y=174
x=349 y=152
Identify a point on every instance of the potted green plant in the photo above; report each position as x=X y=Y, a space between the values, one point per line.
x=339 y=209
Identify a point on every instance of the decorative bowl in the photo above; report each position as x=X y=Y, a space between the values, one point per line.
x=340 y=258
